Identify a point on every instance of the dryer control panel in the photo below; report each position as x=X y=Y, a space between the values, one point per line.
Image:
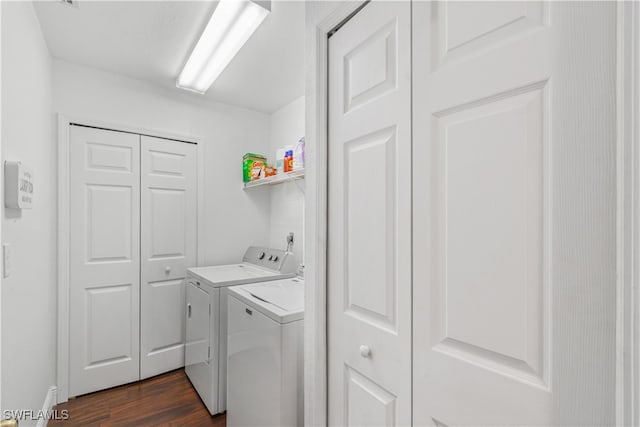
x=273 y=259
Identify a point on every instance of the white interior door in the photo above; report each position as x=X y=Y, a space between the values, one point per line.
x=104 y=251
x=369 y=218
x=168 y=248
x=514 y=213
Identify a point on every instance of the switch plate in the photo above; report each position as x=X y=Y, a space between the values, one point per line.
x=6 y=260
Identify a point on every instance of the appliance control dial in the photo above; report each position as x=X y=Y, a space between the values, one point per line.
x=261 y=256
x=270 y=257
x=275 y=258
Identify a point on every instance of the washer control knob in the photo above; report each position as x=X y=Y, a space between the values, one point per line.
x=365 y=351
x=275 y=258
x=261 y=256
x=270 y=257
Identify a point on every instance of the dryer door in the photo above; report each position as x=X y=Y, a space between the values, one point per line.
x=198 y=312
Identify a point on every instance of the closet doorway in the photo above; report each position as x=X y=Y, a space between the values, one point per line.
x=128 y=225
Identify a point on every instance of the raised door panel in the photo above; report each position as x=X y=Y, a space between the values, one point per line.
x=488 y=278
x=168 y=222
x=167 y=163
x=109 y=223
x=168 y=248
x=370 y=68
x=370 y=279
x=109 y=158
x=109 y=325
x=104 y=287
x=463 y=29
x=167 y=316
x=360 y=393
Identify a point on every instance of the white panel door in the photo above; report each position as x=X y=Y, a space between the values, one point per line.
x=514 y=278
x=104 y=287
x=168 y=248
x=369 y=223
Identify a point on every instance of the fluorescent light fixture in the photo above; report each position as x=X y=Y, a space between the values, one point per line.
x=230 y=26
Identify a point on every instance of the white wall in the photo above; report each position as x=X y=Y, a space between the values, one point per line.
x=28 y=135
x=287 y=200
x=234 y=218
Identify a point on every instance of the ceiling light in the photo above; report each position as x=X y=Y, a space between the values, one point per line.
x=229 y=28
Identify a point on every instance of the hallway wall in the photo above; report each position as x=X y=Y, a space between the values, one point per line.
x=28 y=135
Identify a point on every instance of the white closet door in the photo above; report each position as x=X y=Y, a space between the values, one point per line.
x=369 y=225
x=168 y=248
x=514 y=184
x=104 y=287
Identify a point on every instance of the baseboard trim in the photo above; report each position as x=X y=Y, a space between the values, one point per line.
x=49 y=403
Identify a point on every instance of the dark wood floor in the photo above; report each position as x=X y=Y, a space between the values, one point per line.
x=165 y=400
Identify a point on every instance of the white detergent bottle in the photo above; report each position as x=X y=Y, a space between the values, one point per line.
x=280 y=160
x=298 y=155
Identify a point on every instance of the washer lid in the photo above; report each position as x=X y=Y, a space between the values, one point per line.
x=281 y=300
x=234 y=274
x=288 y=295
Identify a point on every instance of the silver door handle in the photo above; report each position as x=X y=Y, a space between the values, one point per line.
x=189 y=311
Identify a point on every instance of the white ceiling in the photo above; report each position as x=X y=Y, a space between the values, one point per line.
x=151 y=40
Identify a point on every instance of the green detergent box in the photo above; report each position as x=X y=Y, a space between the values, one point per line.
x=247 y=162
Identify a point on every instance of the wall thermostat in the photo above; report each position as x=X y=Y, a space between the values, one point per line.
x=18 y=186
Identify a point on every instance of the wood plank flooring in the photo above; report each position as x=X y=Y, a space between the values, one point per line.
x=165 y=400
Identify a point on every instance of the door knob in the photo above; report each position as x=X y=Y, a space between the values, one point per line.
x=365 y=351
x=167 y=269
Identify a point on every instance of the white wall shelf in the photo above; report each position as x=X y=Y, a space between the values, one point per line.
x=275 y=179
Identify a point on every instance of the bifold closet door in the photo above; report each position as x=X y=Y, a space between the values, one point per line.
x=168 y=247
x=514 y=213
x=369 y=218
x=104 y=288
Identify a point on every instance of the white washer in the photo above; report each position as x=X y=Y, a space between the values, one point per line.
x=206 y=319
x=265 y=354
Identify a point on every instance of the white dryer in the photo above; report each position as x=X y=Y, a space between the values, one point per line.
x=206 y=316
x=265 y=354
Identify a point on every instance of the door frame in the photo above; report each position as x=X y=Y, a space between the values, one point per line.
x=1 y=241
x=320 y=23
x=64 y=126
x=628 y=214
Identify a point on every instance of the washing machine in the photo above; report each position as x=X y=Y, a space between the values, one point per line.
x=265 y=354
x=206 y=316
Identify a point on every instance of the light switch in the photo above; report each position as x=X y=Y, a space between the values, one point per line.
x=6 y=260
